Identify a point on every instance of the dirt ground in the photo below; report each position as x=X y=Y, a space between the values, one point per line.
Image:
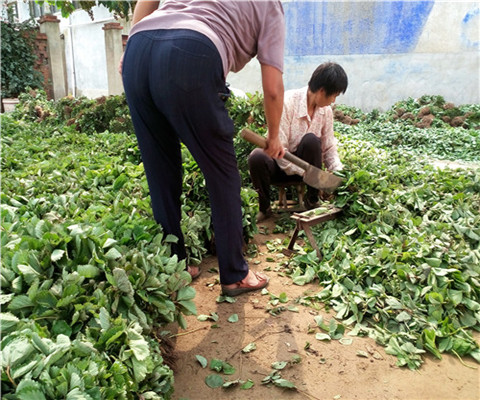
x=328 y=370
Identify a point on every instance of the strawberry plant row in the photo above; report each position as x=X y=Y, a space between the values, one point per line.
x=87 y=277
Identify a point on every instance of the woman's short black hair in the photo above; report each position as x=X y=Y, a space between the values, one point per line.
x=331 y=77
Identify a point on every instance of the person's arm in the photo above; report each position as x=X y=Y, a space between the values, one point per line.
x=272 y=83
x=142 y=9
x=289 y=131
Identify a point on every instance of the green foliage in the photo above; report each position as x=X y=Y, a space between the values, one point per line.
x=87 y=274
x=401 y=128
x=18 y=57
x=246 y=113
x=249 y=211
x=105 y=113
x=353 y=112
x=111 y=114
x=424 y=112
x=120 y=9
x=433 y=111
x=62 y=367
x=85 y=115
x=84 y=266
x=446 y=143
x=402 y=263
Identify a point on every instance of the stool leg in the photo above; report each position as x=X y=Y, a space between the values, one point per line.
x=301 y=193
x=282 y=197
x=293 y=238
x=312 y=241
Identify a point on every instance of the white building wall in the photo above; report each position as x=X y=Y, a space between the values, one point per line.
x=85 y=52
x=391 y=50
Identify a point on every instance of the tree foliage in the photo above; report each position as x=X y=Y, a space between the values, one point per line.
x=120 y=9
x=18 y=57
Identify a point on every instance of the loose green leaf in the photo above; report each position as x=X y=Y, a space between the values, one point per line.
x=5 y=298
x=233 y=318
x=57 y=254
x=214 y=381
x=247 y=385
x=322 y=336
x=88 y=271
x=228 y=369
x=249 y=348
x=230 y=384
x=216 y=364
x=279 y=365
x=122 y=281
x=202 y=360
x=283 y=383
x=228 y=299
x=113 y=254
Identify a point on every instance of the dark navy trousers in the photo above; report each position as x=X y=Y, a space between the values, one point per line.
x=172 y=80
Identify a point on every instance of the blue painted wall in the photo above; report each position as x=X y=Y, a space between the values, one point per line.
x=386 y=27
x=470 y=29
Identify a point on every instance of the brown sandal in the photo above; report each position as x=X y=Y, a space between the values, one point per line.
x=242 y=287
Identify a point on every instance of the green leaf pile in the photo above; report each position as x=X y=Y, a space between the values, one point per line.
x=402 y=264
x=87 y=275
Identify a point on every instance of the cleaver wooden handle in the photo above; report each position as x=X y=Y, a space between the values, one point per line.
x=261 y=142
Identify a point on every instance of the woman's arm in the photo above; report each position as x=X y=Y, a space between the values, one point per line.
x=144 y=8
x=272 y=83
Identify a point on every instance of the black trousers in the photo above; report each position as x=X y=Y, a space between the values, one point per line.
x=172 y=81
x=264 y=170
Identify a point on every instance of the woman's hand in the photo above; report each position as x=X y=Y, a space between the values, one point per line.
x=274 y=148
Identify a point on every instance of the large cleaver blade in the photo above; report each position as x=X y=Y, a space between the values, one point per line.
x=312 y=176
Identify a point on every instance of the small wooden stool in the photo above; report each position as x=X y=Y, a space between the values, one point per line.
x=310 y=218
x=290 y=205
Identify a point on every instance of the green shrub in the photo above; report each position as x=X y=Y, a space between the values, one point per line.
x=86 y=115
x=246 y=112
x=18 y=57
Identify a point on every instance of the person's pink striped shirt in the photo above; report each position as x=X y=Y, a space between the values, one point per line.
x=296 y=122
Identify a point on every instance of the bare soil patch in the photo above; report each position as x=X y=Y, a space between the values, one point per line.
x=328 y=370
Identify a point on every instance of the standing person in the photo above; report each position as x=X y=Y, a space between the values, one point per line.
x=306 y=130
x=174 y=70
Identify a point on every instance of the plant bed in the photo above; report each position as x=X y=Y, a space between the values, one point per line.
x=88 y=281
x=402 y=263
